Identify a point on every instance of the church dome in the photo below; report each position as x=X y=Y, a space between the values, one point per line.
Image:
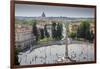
x=43 y=14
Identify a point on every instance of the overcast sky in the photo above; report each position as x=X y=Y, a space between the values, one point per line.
x=54 y=11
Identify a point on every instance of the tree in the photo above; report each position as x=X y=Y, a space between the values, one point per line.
x=16 y=56
x=24 y=21
x=84 y=30
x=46 y=32
x=59 y=31
x=41 y=33
x=53 y=30
x=72 y=35
x=34 y=30
x=92 y=36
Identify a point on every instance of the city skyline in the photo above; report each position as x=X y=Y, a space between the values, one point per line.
x=25 y=10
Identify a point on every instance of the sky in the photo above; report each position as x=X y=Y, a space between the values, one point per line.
x=52 y=11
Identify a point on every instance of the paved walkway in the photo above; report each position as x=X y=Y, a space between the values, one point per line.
x=50 y=54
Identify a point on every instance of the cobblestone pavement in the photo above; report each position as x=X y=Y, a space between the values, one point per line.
x=50 y=54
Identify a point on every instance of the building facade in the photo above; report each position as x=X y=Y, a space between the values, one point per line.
x=24 y=37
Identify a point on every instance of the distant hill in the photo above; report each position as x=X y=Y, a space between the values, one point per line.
x=53 y=18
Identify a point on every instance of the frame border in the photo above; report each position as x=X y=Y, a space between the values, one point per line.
x=12 y=32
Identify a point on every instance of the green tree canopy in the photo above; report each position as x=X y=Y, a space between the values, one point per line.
x=84 y=30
